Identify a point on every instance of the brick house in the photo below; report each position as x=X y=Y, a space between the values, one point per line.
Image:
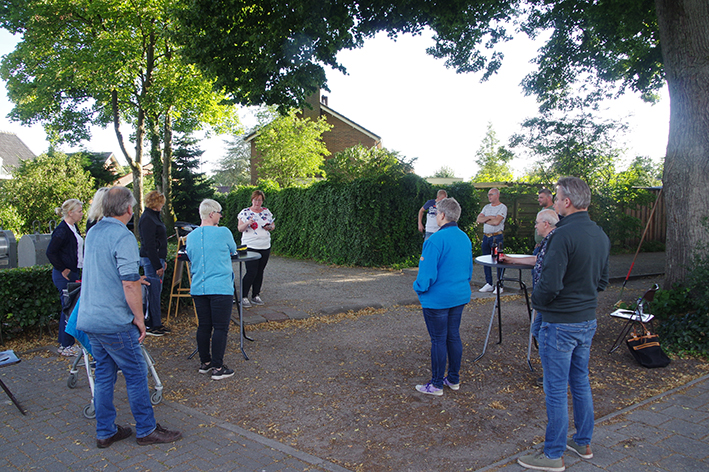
x=344 y=134
x=12 y=151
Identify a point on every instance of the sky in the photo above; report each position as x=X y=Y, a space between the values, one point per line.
x=419 y=107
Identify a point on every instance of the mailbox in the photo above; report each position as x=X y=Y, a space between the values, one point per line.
x=32 y=250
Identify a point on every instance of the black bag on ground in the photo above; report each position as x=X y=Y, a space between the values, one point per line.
x=647 y=350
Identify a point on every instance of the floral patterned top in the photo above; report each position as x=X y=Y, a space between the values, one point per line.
x=255 y=237
x=537 y=271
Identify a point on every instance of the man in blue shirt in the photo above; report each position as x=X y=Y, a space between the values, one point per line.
x=429 y=209
x=111 y=314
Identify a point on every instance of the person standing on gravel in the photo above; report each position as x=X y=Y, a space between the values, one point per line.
x=255 y=223
x=574 y=270
x=209 y=248
x=492 y=217
x=429 y=209
x=443 y=288
x=111 y=314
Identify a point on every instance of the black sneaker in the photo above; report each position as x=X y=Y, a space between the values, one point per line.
x=222 y=373
x=165 y=329
x=154 y=332
x=205 y=368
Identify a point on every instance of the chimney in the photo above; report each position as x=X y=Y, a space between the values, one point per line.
x=314 y=102
x=323 y=100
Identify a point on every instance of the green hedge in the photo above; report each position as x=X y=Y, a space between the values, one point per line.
x=28 y=298
x=368 y=222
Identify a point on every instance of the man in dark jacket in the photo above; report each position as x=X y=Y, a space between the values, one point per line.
x=575 y=269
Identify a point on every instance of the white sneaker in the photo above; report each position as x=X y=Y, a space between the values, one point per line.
x=486 y=288
x=495 y=290
x=257 y=300
x=70 y=351
x=245 y=302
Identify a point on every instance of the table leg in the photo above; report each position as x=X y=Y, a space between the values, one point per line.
x=12 y=397
x=489 y=328
x=241 y=312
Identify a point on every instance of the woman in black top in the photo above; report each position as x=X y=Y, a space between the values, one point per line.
x=153 y=252
x=66 y=253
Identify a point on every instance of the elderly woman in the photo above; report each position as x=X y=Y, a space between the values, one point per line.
x=256 y=223
x=66 y=253
x=209 y=248
x=443 y=288
x=96 y=209
x=153 y=252
x=545 y=226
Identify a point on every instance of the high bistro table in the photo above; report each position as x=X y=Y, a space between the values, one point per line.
x=487 y=261
x=237 y=259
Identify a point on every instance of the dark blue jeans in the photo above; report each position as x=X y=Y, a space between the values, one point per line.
x=443 y=326
x=60 y=282
x=487 y=250
x=214 y=315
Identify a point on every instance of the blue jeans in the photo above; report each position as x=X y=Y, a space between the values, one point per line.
x=60 y=282
x=443 y=326
x=154 y=291
x=427 y=235
x=564 y=349
x=113 y=352
x=487 y=250
x=214 y=315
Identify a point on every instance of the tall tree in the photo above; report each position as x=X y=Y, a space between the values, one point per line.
x=444 y=172
x=492 y=159
x=291 y=149
x=191 y=186
x=96 y=62
x=273 y=52
x=235 y=167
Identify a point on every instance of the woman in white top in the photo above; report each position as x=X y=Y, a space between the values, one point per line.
x=255 y=223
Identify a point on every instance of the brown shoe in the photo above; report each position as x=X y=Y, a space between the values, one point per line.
x=122 y=433
x=159 y=436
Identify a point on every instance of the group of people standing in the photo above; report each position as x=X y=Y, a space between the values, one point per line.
x=112 y=308
x=570 y=260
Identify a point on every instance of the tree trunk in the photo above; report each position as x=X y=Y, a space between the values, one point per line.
x=684 y=36
x=168 y=212
x=138 y=170
x=156 y=153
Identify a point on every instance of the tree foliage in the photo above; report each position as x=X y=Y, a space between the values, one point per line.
x=291 y=149
x=191 y=186
x=444 y=172
x=235 y=167
x=361 y=162
x=40 y=185
x=492 y=159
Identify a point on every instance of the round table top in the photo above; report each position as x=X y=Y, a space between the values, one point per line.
x=487 y=261
x=250 y=256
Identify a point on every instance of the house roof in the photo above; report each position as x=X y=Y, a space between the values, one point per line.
x=12 y=151
x=331 y=112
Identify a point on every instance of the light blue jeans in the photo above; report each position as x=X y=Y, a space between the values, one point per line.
x=565 y=349
x=114 y=352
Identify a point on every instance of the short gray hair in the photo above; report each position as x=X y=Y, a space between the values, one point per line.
x=576 y=190
x=208 y=206
x=549 y=216
x=449 y=207
x=117 y=201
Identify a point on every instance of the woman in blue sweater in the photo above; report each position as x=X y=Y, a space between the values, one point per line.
x=443 y=288
x=209 y=248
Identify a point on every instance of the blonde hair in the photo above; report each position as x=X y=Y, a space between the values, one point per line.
x=154 y=199
x=96 y=208
x=208 y=206
x=68 y=206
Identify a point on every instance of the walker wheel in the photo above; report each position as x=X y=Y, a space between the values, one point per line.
x=156 y=398
x=89 y=411
x=71 y=381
